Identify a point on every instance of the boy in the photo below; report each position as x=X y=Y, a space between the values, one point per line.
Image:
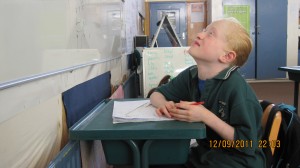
x=231 y=111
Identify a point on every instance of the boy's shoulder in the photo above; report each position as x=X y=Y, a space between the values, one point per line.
x=233 y=80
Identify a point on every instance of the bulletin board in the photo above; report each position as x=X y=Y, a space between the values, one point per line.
x=158 y=62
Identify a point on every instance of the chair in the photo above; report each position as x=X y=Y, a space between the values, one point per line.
x=271 y=126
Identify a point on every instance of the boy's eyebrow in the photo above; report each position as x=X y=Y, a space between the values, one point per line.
x=209 y=27
x=213 y=29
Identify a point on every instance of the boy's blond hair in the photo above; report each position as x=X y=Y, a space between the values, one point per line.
x=238 y=40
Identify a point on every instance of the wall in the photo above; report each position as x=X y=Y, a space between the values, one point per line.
x=141 y=7
x=215 y=10
x=299 y=20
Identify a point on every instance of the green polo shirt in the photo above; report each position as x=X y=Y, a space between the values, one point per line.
x=230 y=98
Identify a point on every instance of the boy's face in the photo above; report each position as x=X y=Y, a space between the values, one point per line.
x=210 y=44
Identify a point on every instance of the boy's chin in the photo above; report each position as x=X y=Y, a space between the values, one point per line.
x=192 y=51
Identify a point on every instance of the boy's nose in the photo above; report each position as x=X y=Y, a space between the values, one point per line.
x=201 y=35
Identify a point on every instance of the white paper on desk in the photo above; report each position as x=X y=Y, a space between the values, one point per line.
x=135 y=111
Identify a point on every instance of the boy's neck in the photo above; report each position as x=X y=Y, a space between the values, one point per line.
x=208 y=72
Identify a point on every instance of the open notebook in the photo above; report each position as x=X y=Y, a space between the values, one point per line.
x=135 y=111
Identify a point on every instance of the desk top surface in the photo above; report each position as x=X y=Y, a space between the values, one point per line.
x=294 y=69
x=98 y=125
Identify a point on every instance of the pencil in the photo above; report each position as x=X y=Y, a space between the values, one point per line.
x=197 y=103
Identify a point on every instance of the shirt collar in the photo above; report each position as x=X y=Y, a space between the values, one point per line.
x=194 y=72
x=226 y=73
x=222 y=75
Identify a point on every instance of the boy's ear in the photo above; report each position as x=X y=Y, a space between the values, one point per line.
x=229 y=57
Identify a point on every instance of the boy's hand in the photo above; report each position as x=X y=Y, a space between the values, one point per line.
x=185 y=111
x=165 y=109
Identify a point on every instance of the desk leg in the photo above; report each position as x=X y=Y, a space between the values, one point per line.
x=136 y=153
x=296 y=92
x=145 y=152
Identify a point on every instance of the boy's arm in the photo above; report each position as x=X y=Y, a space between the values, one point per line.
x=191 y=113
x=225 y=130
x=157 y=99
x=163 y=106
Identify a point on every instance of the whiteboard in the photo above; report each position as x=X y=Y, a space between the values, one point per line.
x=158 y=62
x=36 y=34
